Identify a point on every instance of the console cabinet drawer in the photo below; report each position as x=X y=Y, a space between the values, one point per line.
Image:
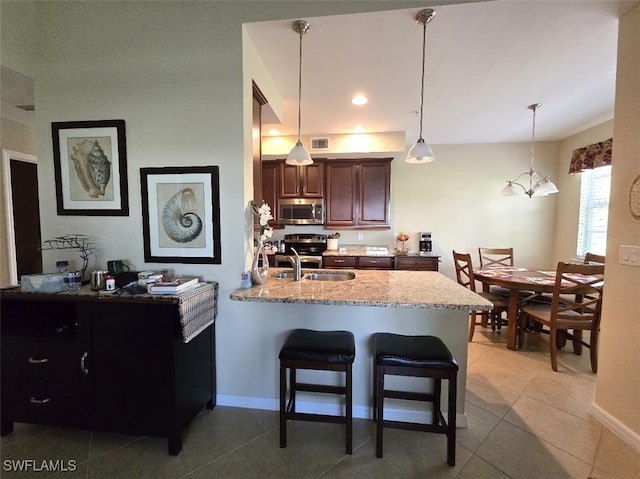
x=40 y=380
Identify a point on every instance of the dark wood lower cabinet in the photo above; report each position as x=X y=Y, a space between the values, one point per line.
x=417 y=263
x=106 y=365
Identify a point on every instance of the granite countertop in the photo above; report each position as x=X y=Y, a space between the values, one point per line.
x=379 y=288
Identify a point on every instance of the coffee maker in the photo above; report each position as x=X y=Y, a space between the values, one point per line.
x=425 y=243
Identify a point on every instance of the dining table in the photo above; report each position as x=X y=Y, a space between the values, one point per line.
x=516 y=280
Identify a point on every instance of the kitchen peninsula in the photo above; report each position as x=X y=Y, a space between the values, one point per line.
x=403 y=302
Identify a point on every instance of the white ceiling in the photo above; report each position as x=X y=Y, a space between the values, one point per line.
x=486 y=62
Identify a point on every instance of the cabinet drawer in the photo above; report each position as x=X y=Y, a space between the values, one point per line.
x=339 y=262
x=417 y=263
x=39 y=380
x=375 y=262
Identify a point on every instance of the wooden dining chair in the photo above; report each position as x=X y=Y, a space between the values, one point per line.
x=464 y=275
x=576 y=305
x=495 y=257
x=593 y=258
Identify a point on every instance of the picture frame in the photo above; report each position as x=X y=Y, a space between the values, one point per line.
x=90 y=167
x=181 y=214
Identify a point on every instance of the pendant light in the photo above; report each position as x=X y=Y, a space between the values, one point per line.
x=539 y=185
x=299 y=155
x=421 y=151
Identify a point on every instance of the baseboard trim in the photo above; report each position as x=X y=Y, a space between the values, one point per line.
x=618 y=428
x=360 y=412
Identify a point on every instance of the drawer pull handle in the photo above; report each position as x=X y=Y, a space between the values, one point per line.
x=83 y=360
x=339 y=261
x=38 y=360
x=33 y=400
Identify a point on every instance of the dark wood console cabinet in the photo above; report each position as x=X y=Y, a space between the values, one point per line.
x=106 y=364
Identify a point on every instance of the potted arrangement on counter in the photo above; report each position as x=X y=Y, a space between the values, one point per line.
x=332 y=241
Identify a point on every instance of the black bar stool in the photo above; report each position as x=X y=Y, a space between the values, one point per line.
x=420 y=356
x=317 y=350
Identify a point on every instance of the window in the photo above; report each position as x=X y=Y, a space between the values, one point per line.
x=594 y=211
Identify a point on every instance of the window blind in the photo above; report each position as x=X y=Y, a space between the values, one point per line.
x=595 y=190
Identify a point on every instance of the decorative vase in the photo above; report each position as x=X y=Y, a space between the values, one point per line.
x=259 y=273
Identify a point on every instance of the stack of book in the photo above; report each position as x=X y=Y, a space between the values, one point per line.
x=173 y=286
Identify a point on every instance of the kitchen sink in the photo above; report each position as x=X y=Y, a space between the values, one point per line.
x=283 y=275
x=326 y=276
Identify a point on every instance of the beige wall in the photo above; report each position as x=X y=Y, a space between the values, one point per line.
x=618 y=390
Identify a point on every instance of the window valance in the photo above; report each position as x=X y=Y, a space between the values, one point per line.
x=591 y=156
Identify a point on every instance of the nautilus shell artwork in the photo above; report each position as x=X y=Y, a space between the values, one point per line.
x=178 y=218
x=92 y=167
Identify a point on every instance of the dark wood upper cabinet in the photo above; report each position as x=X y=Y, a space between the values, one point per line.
x=271 y=187
x=358 y=193
x=302 y=181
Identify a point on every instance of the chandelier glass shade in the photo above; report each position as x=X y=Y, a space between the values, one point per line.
x=421 y=152
x=538 y=184
x=299 y=154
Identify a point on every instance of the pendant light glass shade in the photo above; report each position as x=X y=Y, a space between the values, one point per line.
x=421 y=152
x=299 y=154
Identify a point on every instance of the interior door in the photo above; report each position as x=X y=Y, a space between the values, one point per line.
x=22 y=215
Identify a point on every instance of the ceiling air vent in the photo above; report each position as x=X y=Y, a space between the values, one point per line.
x=319 y=143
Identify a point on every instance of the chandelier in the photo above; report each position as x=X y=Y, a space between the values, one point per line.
x=421 y=152
x=539 y=185
x=299 y=154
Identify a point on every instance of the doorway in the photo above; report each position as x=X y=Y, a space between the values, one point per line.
x=22 y=213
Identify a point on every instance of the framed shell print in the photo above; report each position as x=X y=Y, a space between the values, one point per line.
x=181 y=214
x=90 y=166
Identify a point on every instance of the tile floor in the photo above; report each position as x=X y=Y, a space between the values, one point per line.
x=525 y=421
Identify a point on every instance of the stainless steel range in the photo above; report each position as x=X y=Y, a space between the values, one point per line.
x=308 y=245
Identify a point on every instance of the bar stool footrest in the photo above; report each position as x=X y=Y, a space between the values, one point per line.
x=305 y=416
x=320 y=388
x=411 y=396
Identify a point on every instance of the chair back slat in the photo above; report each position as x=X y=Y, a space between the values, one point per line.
x=495 y=257
x=464 y=270
x=577 y=294
x=593 y=258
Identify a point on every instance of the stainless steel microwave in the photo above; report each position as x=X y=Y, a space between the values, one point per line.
x=301 y=211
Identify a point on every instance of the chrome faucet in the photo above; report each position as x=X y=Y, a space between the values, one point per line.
x=295 y=263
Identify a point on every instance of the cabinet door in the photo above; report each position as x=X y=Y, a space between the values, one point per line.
x=374 y=194
x=130 y=362
x=302 y=181
x=271 y=187
x=290 y=181
x=313 y=180
x=341 y=185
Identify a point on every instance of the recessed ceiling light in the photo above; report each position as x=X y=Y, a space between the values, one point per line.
x=273 y=132
x=358 y=129
x=359 y=100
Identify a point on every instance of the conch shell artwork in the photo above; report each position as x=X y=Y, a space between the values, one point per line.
x=178 y=218
x=92 y=166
